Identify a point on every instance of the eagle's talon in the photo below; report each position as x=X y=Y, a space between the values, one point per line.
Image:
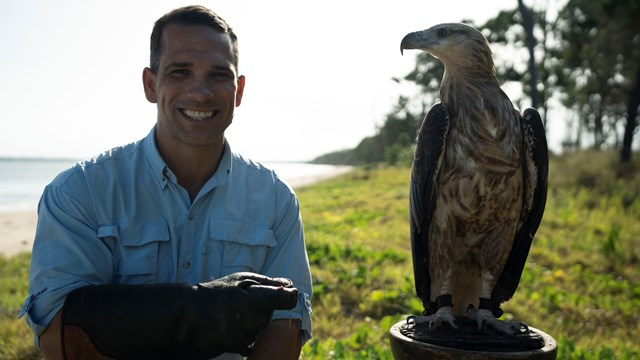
x=472 y=313
x=470 y=309
x=434 y=321
x=433 y=325
x=486 y=319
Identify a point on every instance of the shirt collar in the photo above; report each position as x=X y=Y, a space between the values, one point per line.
x=158 y=165
x=223 y=172
x=162 y=172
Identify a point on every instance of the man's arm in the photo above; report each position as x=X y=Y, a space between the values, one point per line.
x=289 y=259
x=51 y=344
x=50 y=340
x=281 y=340
x=195 y=322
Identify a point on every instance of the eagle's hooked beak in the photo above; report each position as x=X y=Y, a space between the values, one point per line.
x=420 y=40
x=411 y=41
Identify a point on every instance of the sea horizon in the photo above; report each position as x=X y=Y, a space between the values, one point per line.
x=23 y=179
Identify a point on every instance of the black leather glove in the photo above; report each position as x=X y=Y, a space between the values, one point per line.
x=163 y=321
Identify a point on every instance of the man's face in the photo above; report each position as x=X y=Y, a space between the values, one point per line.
x=196 y=87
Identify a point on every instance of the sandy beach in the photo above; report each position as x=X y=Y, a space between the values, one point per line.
x=16 y=231
x=17 y=228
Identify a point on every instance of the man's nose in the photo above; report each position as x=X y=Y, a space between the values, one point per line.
x=201 y=87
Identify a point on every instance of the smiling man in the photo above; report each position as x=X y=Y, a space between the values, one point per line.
x=173 y=246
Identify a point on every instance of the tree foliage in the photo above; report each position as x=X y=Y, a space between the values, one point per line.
x=394 y=139
x=391 y=144
x=600 y=67
x=588 y=57
x=528 y=56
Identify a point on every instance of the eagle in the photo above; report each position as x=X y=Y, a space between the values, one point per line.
x=478 y=186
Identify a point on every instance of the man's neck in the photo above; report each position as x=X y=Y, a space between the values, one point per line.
x=193 y=166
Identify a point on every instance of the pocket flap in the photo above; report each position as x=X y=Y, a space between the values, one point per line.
x=242 y=233
x=134 y=232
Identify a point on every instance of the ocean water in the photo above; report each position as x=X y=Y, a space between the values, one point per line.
x=22 y=181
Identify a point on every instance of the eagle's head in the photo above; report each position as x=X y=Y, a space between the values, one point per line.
x=462 y=48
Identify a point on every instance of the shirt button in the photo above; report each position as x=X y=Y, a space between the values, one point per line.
x=190 y=217
x=186 y=264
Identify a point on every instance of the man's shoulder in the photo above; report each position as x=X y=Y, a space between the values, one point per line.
x=245 y=166
x=244 y=163
x=121 y=157
x=117 y=155
x=259 y=173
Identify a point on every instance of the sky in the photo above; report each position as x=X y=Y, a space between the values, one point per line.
x=319 y=74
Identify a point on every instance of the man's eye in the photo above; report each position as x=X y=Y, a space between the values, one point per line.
x=178 y=73
x=220 y=75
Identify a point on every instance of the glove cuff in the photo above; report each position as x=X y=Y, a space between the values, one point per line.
x=75 y=343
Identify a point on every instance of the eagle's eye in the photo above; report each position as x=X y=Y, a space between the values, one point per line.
x=442 y=32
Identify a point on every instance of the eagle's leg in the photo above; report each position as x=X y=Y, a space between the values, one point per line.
x=484 y=316
x=444 y=314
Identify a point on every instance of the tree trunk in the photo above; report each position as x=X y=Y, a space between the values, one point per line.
x=598 y=128
x=527 y=24
x=632 y=123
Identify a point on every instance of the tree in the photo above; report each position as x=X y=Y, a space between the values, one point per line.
x=516 y=31
x=589 y=56
x=389 y=144
x=427 y=75
x=600 y=66
x=530 y=40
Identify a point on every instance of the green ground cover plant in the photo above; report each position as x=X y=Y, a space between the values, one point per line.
x=16 y=339
x=581 y=283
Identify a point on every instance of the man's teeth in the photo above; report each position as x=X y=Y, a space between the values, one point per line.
x=198 y=115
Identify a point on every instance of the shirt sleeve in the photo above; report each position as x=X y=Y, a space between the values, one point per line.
x=67 y=253
x=289 y=259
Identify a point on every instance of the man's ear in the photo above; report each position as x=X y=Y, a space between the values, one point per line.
x=149 y=83
x=240 y=90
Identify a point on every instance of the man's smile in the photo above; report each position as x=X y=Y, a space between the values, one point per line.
x=198 y=115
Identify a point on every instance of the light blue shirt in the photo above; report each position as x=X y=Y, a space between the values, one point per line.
x=122 y=218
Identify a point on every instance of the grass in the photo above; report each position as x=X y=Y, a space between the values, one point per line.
x=581 y=283
x=16 y=339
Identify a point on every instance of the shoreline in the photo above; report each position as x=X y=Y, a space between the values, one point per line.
x=298 y=182
x=17 y=227
x=16 y=231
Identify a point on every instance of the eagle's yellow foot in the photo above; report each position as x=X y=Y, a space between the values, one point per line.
x=434 y=321
x=484 y=318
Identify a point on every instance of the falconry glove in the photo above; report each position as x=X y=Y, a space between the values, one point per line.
x=172 y=320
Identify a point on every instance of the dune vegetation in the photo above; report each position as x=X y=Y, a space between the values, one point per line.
x=581 y=283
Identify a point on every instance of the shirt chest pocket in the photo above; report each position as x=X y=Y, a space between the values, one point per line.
x=244 y=246
x=136 y=248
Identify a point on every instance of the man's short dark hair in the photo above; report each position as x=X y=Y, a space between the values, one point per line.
x=190 y=15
